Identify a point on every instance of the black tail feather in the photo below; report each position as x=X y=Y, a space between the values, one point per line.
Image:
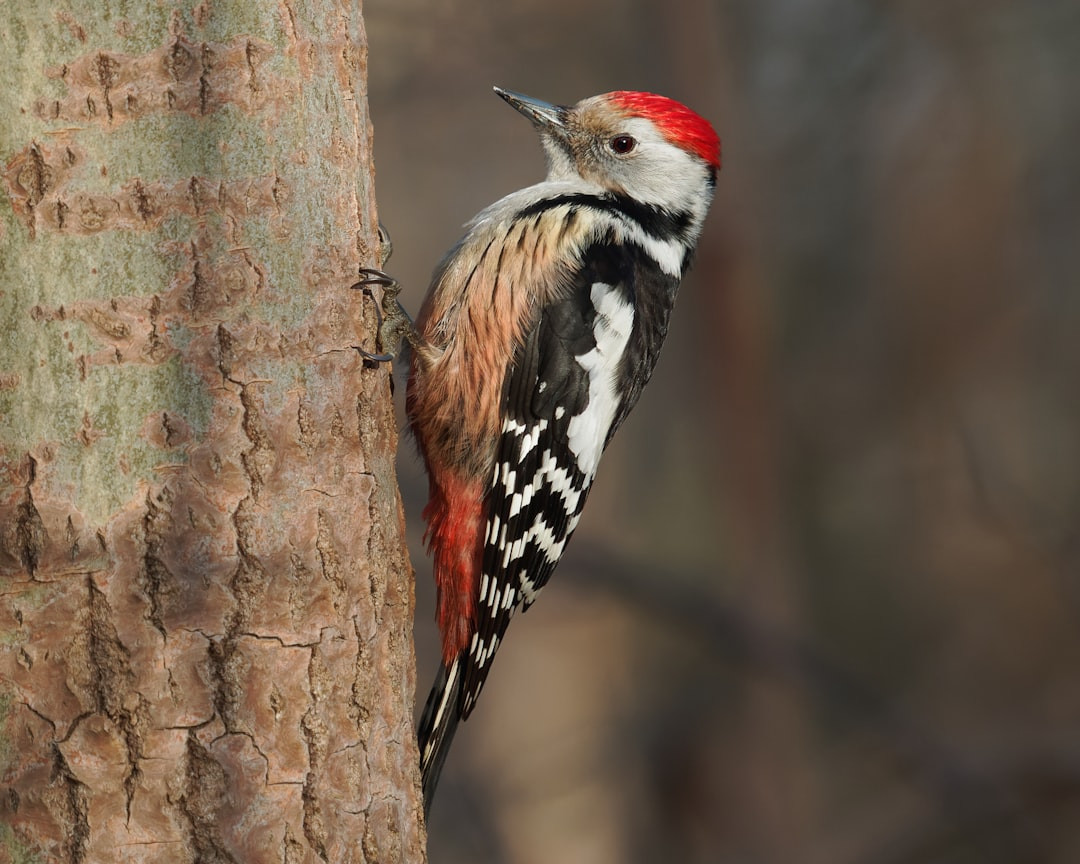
x=437 y=726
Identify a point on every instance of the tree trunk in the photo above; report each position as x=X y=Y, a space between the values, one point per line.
x=205 y=598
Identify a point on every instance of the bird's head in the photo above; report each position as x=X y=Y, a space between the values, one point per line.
x=648 y=147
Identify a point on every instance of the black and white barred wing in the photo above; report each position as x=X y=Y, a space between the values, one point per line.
x=562 y=398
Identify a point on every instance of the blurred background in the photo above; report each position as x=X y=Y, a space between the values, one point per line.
x=824 y=603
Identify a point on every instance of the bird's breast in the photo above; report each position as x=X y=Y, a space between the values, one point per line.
x=485 y=297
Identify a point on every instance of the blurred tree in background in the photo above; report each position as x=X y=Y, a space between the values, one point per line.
x=823 y=606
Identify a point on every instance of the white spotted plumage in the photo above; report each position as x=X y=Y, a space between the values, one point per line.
x=587 y=435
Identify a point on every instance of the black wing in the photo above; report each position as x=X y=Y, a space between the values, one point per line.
x=541 y=478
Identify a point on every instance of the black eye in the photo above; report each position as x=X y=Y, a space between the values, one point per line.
x=622 y=144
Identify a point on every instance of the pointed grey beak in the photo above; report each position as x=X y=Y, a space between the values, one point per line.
x=543 y=114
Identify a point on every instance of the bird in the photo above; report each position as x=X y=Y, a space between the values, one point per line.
x=539 y=330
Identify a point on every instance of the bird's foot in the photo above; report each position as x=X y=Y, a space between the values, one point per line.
x=393 y=323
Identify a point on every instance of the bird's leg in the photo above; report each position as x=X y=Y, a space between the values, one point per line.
x=393 y=323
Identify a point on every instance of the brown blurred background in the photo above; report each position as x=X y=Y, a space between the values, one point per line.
x=824 y=604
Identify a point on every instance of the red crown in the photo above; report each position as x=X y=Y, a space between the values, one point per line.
x=679 y=124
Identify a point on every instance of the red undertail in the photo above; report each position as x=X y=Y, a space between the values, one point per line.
x=455 y=525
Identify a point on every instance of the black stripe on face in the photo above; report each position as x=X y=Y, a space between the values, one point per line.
x=654 y=221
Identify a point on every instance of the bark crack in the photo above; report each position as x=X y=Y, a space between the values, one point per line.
x=204 y=78
x=35 y=178
x=29 y=534
x=361 y=696
x=198 y=291
x=226 y=353
x=105 y=67
x=155 y=345
x=73 y=802
x=260 y=273
x=278 y=191
x=292 y=849
x=314 y=731
x=260 y=455
x=154 y=574
x=178 y=61
x=250 y=54
x=195 y=195
x=203 y=796
x=112 y=684
x=277 y=639
x=249 y=577
x=331 y=563
x=308 y=438
x=142 y=201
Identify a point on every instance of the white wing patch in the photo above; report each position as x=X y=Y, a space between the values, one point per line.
x=611 y=330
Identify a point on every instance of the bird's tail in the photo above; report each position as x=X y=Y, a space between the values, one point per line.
x=437 y=726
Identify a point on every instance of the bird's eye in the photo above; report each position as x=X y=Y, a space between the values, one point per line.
x=622 y=144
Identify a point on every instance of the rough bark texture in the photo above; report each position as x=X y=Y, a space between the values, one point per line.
x=205 y=600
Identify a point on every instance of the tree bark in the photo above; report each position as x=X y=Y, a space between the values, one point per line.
x=205 y=597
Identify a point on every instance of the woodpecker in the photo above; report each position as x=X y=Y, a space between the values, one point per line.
x=540 y=329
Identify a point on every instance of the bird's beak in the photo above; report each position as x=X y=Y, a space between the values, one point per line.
x=543 y=114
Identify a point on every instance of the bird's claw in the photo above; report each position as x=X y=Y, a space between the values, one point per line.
x=392 y=322
x=369 y=276
x=373 y=358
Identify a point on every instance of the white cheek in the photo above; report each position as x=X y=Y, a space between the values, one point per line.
x=669 y=177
